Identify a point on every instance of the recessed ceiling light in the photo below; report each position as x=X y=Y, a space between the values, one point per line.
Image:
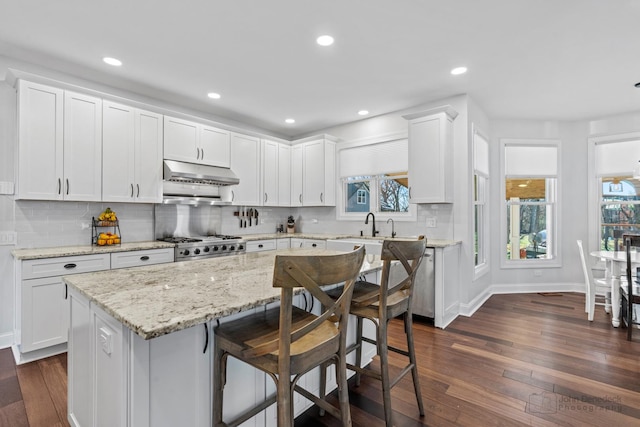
x=213 y=95
x=363 y=112
x=290 y=121
x=325 y=40
x=459 y=70
x=112 y=61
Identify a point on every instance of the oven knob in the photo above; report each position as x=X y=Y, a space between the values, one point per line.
x=240 y=247
x=186 y=252
x=197 y=251
x=224 y=247
x=232 y=248
x=206 y=248
x=215 y=248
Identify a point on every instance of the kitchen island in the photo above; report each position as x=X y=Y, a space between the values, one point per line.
x=140 y=340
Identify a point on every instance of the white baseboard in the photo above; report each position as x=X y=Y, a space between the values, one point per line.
x=6 y=340
x=521 y=288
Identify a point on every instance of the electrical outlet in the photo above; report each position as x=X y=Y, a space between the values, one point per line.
x=431 y=222
x=7 y=238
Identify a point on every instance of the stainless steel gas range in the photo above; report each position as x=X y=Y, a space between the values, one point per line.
x=200 y=247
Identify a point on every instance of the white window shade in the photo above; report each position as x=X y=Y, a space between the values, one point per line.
x=531 y=161
x=480 y=154
x=617 y=157
x=374 y=159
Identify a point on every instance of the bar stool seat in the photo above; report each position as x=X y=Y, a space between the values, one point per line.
x=286 y=342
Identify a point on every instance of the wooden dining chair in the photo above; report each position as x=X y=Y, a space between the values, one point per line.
x=597 y=291
x=381 y=303
x=629 y=290
x=286 y=342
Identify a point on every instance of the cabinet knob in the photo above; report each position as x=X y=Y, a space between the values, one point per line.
x=70 y=266
x=260 y=245
x=314 y=245
x=144 y=258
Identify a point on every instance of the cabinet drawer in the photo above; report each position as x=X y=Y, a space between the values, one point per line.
x=139 y=258
x=61 y=266
x=261 y=245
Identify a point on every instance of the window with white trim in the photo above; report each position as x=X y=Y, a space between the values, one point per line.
x=530 y=211
x=374 y=178
x=480 y=197
x=618 y=191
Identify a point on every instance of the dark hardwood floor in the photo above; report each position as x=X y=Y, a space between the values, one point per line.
x=521 y=360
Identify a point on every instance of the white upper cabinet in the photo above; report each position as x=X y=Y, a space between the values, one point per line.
x=60 y=144
x=313 y=173
x=245 y=163
x=276 y=174
x=132 y=154
x=82 y=147
x=40 y=141
x=193 y=142
x=431 y=155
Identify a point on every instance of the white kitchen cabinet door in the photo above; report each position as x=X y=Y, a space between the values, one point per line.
x=148 y=157
x=283 y=243
x=131 y=154
x=181 y=140
x=296 y=175
x=245 y=162
x=431 y=156
x=44 y=313
x=270 y=166
x=82 y=147
x=118 y=152
x=40 y=141
x=284 y=175
x=313 y=173
x=215 y=146
x=180 y=377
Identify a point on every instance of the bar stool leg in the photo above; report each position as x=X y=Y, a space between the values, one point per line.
x=359 y=321
x=343 y=391
x=219 y=380
x=383 y=352
x=408 y=322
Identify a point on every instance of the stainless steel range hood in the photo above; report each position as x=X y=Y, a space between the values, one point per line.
x=192 y=184
x=199 y=174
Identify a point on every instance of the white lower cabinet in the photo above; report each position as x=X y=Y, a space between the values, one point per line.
x=42 y=305
x=308 y=243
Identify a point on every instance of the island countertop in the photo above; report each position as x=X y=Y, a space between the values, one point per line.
x=159 y=299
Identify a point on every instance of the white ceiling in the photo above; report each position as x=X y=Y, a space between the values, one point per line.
x=536 y=59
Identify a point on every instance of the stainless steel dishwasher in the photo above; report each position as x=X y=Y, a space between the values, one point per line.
x=424 y=301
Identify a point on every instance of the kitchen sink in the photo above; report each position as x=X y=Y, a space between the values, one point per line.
x=373 y=247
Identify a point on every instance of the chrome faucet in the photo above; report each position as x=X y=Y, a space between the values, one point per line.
x=373 y=227
x=393 y=232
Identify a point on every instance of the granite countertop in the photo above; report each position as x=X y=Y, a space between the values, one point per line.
x=160 y=299
x=59 y=251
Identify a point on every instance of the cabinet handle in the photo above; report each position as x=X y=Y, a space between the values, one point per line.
x=138 y=190
x=265 y=197
x=66 y=291
x=197 y=153
x=202 y=154
x=409 y=192
x=314 y=245
x=67 y=186
x=70 y=266
x=322 y=197
x=233 y=196
x=144 y=258
x=131 y=190
x=206 y=337
x=59 y=185
x=260 y=246
x=300 y=198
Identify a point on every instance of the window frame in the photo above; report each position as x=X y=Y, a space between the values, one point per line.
x=553 y=231
x=480 y=200
x=341 y=215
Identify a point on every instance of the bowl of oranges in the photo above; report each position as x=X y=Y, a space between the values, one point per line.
x=106 y=239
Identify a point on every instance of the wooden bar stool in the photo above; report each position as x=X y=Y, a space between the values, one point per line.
x=286 y=342
x=380 y=304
